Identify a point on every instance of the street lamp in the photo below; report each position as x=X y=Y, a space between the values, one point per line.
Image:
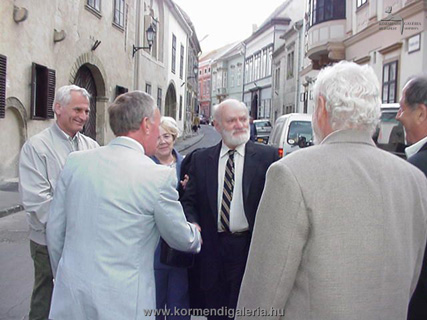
x=150 y=32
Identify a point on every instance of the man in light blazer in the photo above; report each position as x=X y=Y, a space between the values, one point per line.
x=221 y=262
x=341 y=227
x=109 y=208
x=413 y=115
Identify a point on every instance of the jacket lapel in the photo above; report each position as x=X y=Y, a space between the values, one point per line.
x=212 y=178
x=249 y=170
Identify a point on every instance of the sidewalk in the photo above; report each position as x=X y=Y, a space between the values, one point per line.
x=9 y=195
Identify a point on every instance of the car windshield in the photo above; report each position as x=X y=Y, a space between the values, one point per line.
x=299 y=129
x=390 y=134
x=261 y=124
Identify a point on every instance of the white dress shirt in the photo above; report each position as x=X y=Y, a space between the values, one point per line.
x=413 y=149
x=238 y=221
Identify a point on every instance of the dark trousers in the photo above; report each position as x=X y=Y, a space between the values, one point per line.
x=43 y=283
x=224 y=295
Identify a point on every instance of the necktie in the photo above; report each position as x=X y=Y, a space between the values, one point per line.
x=227 y=193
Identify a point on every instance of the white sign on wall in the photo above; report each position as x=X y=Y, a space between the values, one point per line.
x=414 y=43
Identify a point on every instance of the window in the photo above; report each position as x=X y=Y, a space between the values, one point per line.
x=148 y=88
x=239 y=74
x=94 y=4
x=181 y=61
x=325 y=10
x=390 y=82
x=119 y=12
x=290 y=66
x=359 y=3
x=43 y=81
x=3 y=62
x=277 y=79
x=120 y=90
x=269 y=60
x=180 y=107
x=159 y=98
x=173 y=53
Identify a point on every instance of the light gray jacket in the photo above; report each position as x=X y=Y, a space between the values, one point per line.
x=340 y=234
x=108 y=210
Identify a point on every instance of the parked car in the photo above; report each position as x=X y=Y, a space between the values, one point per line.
x=291 y=132
x=390 y=134
x=263 y=130
x=203 y=119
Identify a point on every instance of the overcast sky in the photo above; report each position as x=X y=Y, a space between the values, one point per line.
x=226 y=21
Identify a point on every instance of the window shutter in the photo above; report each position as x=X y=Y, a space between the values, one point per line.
x=51 y=80
x=3 y=61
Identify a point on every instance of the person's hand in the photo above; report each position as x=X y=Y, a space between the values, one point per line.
x=200 y=230
x=185 y=181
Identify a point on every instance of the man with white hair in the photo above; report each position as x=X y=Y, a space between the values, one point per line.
x=41 y=161
x=341 y=227
x=222 y=196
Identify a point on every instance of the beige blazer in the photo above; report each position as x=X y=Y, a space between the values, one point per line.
x=340 y=234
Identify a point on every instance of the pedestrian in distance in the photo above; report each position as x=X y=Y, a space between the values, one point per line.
x=109 y=209
x=41 y=161
x=341 y=228
x=222 y=195
x=252 y=127
x=413 y=115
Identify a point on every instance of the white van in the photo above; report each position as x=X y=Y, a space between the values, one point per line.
x=390 y=134
x=291 y=132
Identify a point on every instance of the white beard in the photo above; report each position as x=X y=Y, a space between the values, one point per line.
x=233 y=141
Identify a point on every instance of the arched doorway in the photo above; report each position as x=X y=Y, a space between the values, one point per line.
x=170 y=102
x=84 y=78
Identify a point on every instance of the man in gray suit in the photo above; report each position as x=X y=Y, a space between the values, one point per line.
x=110 y=206
x=341 y=228
x=413 y=115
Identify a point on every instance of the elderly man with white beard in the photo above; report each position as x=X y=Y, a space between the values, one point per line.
x=341 y=227
x=222 y=196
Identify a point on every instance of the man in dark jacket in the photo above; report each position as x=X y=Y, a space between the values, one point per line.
x=413 y=115
x=222 y=196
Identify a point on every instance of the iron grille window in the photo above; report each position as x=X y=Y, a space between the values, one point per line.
x=43 y=81
x=181 y=61
x=173 y=53
x=3 y=62
x=159 y=98
x=390 y=82
x=94 y=4
x=119 y=12
x=325 y=10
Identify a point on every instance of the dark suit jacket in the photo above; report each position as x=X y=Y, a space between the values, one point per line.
x=418 y=305
x=200 y=199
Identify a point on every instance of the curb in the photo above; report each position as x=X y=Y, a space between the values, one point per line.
x=9 y=211
x=185 y=147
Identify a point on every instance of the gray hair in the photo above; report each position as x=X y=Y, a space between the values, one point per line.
x=129 y=109
x=217 y=109
x=63 y=95
x=352 y=95
x=416 y=91
x=170 y=126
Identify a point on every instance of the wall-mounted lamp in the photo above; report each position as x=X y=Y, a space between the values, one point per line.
x=150 y=32
x=195 y=71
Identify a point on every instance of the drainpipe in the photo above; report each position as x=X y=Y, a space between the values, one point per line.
x=136 y=41
x=300 y=48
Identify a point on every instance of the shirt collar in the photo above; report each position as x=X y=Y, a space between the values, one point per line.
x=239 y=149
x=413 y=149
x=65 y=135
